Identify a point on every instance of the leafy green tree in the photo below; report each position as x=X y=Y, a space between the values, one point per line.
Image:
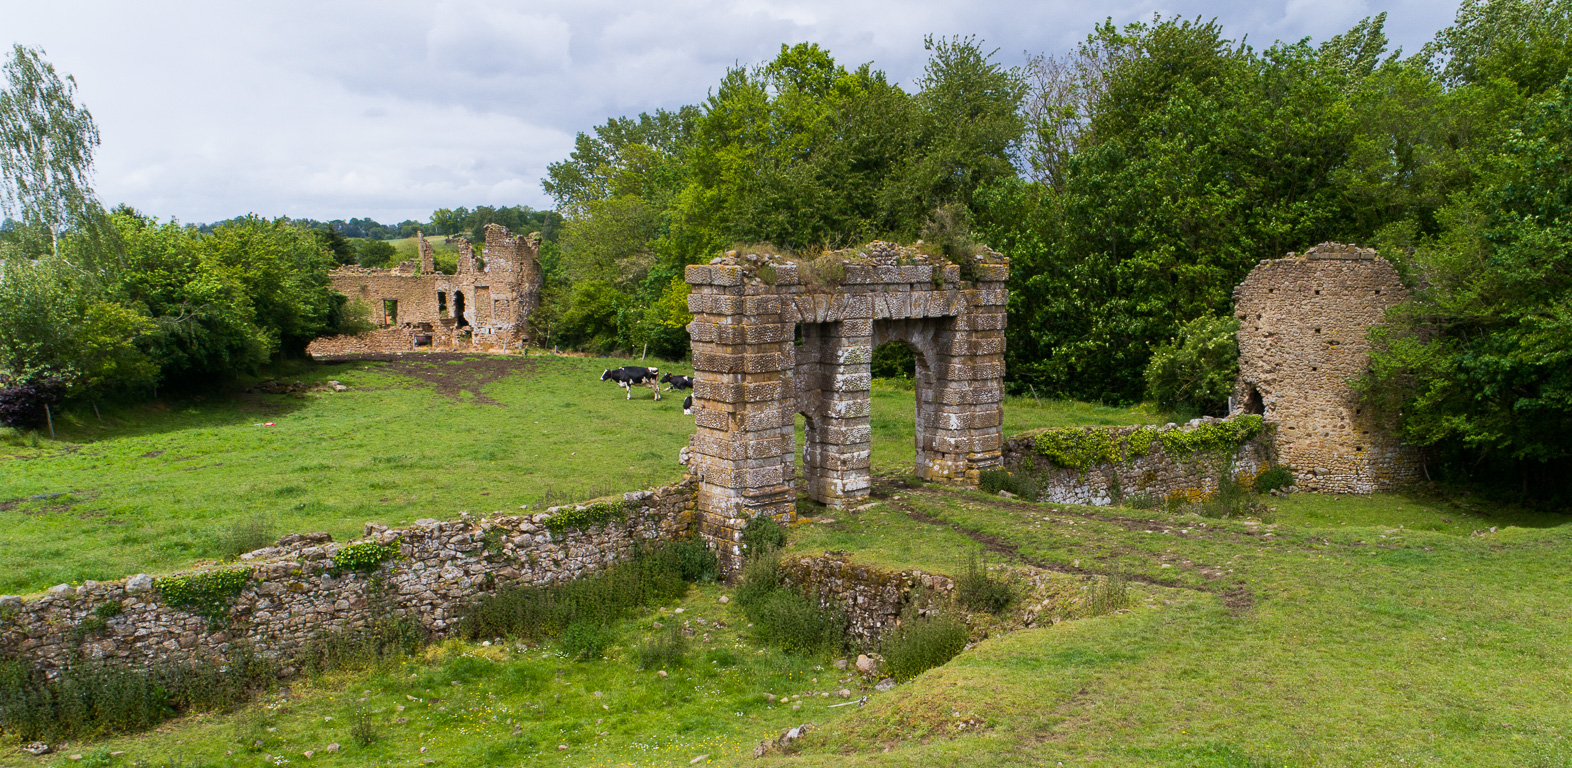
x=1477 y=365
x=375 y=253
x=46 y=147
x=341 y=247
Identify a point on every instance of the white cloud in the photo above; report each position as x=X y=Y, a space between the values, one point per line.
x=392 y=109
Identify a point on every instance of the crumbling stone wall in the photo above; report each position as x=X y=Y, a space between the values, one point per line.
x=775 y=337
x=1302 y=340
x=486 y=306
x=295 y=593
x=872 y=599
x=1150 y=469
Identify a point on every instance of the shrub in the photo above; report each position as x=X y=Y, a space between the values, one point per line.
x=761 y=536
x=247 y=535
x=1143 y=501
x=208 y=594
x=363 y=556
x=586 y=639
x=1198 y=367
x=978 y=590
x=363 y=729
x=995 y=480
x=784 y=617
x=1106 y=595
x=1275 y=477
x=921 y=644
x=1233 y=499
x=22 y=404
x=667 y=649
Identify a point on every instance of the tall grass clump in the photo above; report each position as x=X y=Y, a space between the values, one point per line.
x=996 y=480
x=784 y=617
x=667 y=649
x=922 y=643
x=539 y=613
x=587 y=639
x=978 y=590
x=248 y=535
x=1106 y=595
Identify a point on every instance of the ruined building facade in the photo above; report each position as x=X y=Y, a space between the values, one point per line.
x=487 y=304
x=1302 y=341
x=773 y=339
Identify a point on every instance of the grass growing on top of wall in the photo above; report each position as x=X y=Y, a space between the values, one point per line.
x=160 y=486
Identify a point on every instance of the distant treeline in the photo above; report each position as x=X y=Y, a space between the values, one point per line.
x=444 y=221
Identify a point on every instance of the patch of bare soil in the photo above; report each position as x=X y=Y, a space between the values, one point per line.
x=450 y=373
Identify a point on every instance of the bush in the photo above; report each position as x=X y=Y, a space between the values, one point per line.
x=1233 y=499
x=921 y=644
x=1106 y=595
x=586 y=639
x=784 y=617
x=22 y=404
x=1197 y=369
x=667 y=649
x=363 y=729
x=995 y=480
x=1277 y=476
x=978 y=590
x=762 y=536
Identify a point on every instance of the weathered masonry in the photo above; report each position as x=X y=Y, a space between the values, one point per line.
x=774 y=338
x=486 y=304
x=1302 y=339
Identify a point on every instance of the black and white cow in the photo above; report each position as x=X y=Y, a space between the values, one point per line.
x=677 y=381
x=629 y=376
x=687 y=406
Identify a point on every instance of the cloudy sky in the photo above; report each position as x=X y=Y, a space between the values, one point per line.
x=328 y=109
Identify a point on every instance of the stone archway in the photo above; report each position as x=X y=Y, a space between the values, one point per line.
x=751 y=379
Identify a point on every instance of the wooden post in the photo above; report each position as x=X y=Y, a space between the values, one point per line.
x=51 y=421
x=96 y=413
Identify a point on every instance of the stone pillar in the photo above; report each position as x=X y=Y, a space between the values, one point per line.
x=428 y=259
x=842 y=435
x=744 y=405
x=960 y=417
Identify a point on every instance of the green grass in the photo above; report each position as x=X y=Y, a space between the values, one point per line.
x=444 y=254
x=158 y=487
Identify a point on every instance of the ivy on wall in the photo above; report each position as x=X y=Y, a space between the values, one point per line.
x=362 y=557
x=209 y=594
x=1083 y=447
x=587 y=517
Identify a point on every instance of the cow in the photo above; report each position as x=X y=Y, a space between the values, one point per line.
x=677 y=381
x=687 y=406
x=630 y=375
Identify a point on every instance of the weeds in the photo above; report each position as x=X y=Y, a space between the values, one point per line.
x=363 y=729
x=978 y=590
x=585 y=640
x=922 y=643
x=1275 y=477
x=762 y=536
x=1143 y=501
x=536 y=613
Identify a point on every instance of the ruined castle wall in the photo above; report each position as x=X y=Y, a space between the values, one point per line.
x=1145 y=467
x=295 y=594
x=1302 y=341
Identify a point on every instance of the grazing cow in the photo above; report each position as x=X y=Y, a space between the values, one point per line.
x=630 y=375
x=687 y=406
x=677 y=381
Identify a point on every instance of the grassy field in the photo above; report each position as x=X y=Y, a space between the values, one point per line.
x=444 y=255
x=1390 y=630
x=159 y=487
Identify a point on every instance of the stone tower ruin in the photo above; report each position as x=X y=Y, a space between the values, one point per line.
x=1302 y=341
x=774 y=338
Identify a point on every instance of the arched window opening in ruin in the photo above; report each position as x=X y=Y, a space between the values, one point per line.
x=442 y=304
x=1253 y=402
x=390 y=311
x=458 y=310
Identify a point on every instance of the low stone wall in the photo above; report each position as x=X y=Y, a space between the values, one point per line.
x=1101 y=466
x=382 y=341
x=286 y=595
x=872 y=599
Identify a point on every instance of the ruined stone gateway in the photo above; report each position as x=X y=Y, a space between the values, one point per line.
x=1302 y=341
x=485 y=305
x=774 y=337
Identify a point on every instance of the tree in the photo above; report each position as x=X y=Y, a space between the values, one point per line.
x=46 y=147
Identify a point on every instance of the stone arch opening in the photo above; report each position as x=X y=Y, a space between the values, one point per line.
x=459 y=321
x=1253 y=402
x=773 y=339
